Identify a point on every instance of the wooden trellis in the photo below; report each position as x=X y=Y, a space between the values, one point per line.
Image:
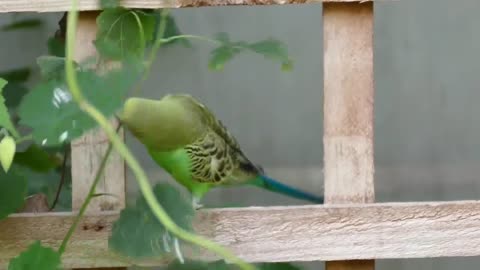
x=349 y=231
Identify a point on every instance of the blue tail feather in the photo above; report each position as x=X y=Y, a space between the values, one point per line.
x=276 y=186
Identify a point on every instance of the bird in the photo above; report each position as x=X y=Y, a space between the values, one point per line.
x=185 y=138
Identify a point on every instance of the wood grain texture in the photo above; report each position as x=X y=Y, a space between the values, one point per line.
x=85 y=5
x=296 y=233
x=348 y=111
x=348 y=102
x=36 y=203
x=88 y=151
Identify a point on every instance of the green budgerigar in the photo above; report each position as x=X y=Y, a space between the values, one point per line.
x=184 y=137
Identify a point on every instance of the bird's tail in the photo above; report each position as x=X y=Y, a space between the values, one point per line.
x=275 y=186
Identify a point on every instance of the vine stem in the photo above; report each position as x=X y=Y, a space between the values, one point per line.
x=123 y=150
x=214 y=41
x=62 y=177
x=89 y=197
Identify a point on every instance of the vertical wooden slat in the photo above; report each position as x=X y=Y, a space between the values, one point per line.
x=348 y=109
x=88 y=151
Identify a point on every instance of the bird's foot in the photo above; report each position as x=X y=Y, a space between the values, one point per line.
x=196 y=203
x=178 y=252
x=167 y=239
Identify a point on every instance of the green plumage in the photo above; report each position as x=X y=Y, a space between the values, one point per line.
x=186 y=139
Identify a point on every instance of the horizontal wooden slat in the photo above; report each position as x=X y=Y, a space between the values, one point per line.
x=65 y=5
x=297 y=233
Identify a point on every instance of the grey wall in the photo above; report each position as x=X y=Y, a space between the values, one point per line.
x=426 y=118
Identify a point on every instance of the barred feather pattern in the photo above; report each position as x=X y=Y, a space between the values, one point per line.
x=216 y=157
x=212 y=160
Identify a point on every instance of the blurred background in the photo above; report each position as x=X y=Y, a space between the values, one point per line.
x=427 y=134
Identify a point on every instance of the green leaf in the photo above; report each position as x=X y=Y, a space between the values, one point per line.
x=56 y=47
x=36 y=257
x=104 y=4
x=273 y=49
x=15 y=90
x=119 y=33
x=19 y=75
x=3 y=82
x=270 y=49
x=221 y=55
x=5 y=120
x=13 y=187
x=7 y=152
x=138 y=233
x=13 y=94
x=51 y=66
x=223 y=37
x=23 y=24
x=37 y=159
x=56 y=119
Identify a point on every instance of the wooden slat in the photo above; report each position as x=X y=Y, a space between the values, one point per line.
x=89 y=150
x=348 y=110
x=65 y=5
x=348 y=103
x=297 y=233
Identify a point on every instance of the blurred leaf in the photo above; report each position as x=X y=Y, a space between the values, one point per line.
x=51 y=66
x=13 y=94
x=37 y=159
x=7 y=152
x=5 y=120
x=223 y=37
x=109 y=49
x=36 y=257
x=23 y=24
x=19 y=75
x=273 y=49
x=225 y=52
x=13 y=187
x=15 y=90
x=119 y=33
x=3 y=82
x=270 y=48
x=104 y=4
x=55 y=118
x=56 y=47
x=138 y=233
x=221 y=55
